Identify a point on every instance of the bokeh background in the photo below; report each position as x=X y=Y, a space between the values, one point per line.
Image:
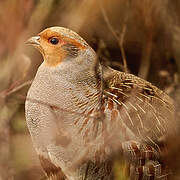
x=138 y=36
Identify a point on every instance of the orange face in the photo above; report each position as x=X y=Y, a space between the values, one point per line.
x=55 y=46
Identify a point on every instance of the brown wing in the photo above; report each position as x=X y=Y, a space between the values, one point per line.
x=138 y=112
x=145 y=111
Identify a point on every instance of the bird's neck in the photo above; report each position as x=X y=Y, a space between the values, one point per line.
x=78 y=87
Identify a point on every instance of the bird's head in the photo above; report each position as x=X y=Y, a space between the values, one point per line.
x=58 y=43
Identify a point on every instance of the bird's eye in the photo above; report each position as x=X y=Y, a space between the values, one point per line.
x=54 y=41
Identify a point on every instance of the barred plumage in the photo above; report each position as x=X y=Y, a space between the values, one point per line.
x=83 y=116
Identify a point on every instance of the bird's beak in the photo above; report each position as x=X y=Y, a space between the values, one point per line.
x=33 y=41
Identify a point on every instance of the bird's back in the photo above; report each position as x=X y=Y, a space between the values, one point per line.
x=139 y=118
x=146 y=111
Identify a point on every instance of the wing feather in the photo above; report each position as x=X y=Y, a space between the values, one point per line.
x=146 y=110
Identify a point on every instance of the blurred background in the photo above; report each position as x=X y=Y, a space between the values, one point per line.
x=138 y=36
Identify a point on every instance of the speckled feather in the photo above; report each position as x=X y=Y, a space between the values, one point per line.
x=80 y=114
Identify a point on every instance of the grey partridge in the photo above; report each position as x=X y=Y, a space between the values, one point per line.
x=82 y=114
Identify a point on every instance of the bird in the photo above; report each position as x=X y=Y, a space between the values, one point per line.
x=82 y=115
